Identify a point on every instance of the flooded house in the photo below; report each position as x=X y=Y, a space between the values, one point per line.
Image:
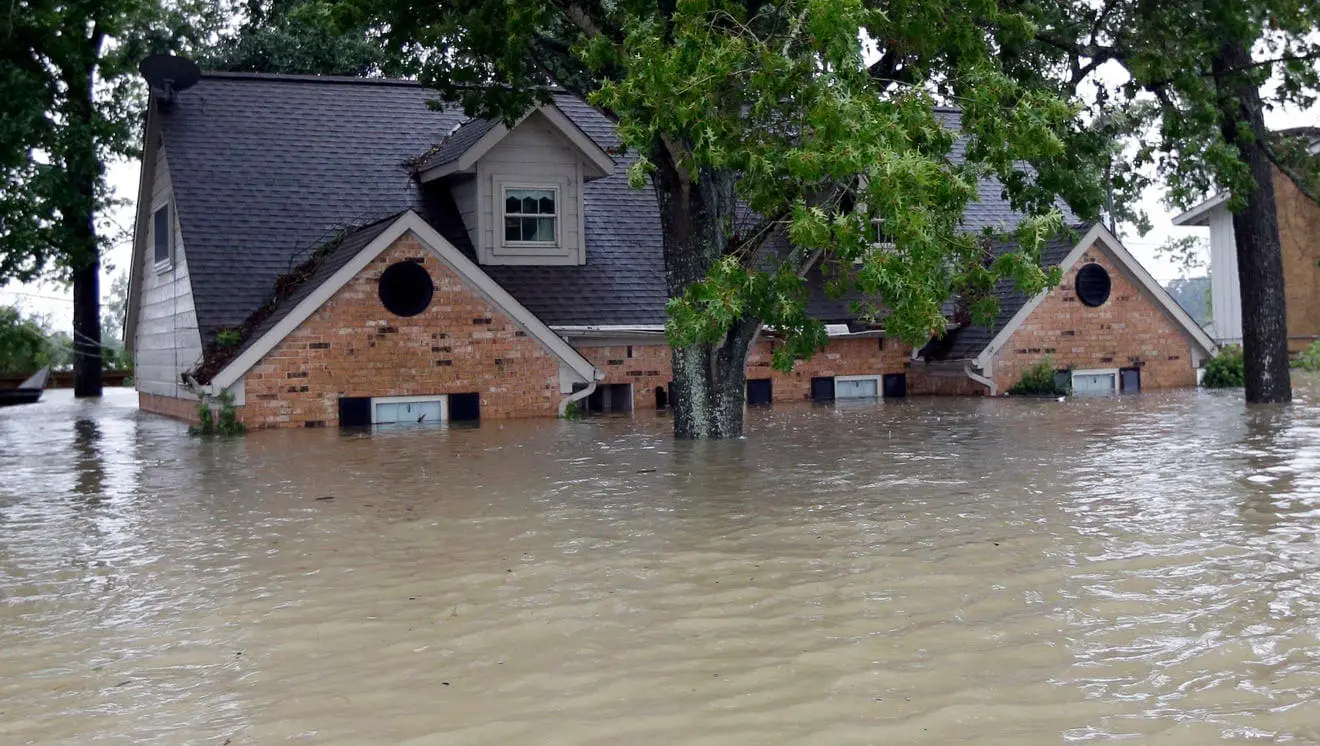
x=333 y=251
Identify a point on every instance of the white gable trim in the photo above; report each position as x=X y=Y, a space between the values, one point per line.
x=1100 y=235
x=593 y=154
x=471 y=273
x=1200 y=215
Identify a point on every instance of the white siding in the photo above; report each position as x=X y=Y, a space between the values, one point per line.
x=1225 y=297
x=167 y=341
x=464 y=191
x=534 y=153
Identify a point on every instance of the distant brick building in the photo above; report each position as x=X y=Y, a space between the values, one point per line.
x=387 y=262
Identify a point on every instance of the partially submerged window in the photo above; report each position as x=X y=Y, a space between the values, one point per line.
x=822 y=388
x=895 y=385
x=163 y=236
x=1129 y=380
x=611 y=397
x=531 y=216
x=418 y=410
x=760 y=391
x=406 y=288
x=856 y=387
x=1092 y=285
x=1094 y=382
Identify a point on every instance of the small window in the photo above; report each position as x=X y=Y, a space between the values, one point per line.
x=856 y=387
x=1092 y=285
x=895 y=385
x=760 y=391
x=531 y=216
x=406 y=288
x=162 y=234
x=1094 y=382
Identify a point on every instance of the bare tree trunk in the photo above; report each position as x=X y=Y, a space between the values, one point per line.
x=709 y=379
x=1256 y=231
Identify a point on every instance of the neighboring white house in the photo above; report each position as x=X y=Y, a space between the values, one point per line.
x=1301 y=249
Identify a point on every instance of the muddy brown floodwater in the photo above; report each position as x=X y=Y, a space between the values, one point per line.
x=921 y=571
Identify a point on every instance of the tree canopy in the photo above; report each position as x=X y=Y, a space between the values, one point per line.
x=300 y=37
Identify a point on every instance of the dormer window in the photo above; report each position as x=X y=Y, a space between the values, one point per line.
x=531 y=215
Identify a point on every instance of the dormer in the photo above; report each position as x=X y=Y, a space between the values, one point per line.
x=519 y=190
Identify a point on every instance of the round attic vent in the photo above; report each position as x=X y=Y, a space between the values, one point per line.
x=1092 y=285
x=406 y=288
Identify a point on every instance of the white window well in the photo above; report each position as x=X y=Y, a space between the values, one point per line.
x=1101 y=382
x=389 y=410
x=531 y=215
x=857 y=387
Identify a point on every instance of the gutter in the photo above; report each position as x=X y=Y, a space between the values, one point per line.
x=575 y=397
x=984 y=381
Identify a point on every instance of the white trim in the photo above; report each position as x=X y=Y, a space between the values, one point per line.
x=603 y=163
x=1111 y=372
x=475 y=277
x=612 y=328
x=1200 y=215
x=503 y=188
x=443 y=399
x=1100 y=236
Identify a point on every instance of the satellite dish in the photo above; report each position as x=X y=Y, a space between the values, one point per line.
x=167 y=74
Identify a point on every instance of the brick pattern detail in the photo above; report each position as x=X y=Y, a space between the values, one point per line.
x=352 y=346
x=1130 y=330
x=170 y=406
x=649 y=368
x=1299 y=236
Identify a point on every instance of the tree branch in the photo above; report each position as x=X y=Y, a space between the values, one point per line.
x=1292 y=173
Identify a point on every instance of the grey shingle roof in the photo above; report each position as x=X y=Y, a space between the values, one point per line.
x=966 y=342
x=267 y=168
x=317 y=268
x=457 y=143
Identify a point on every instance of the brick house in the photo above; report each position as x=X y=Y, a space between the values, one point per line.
x=335 y=252
x=1299 y=238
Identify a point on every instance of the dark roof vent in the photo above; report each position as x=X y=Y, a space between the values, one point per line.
x=1092 y=285
x=167 y=75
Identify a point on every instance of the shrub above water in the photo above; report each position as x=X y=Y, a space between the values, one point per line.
x=1039 y=380
x=1225 y=370
x=1309 y=359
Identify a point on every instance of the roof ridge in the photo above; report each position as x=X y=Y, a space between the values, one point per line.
x=301 y=78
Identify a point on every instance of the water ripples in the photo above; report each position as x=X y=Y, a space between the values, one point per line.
x=924 y=571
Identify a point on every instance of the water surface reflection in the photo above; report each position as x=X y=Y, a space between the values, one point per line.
x=922 y=571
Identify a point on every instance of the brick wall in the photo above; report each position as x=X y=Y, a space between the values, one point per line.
x=170 y=406
x=926 y=379
x=1130 y=330
x=842 y=357
x=353 y=346
x=1299 y=236
x=650 y=366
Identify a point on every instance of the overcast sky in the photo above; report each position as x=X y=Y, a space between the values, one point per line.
x=56 y=301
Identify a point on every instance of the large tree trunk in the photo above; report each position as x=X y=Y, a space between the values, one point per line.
x=709 y=379
x=83 y=174
x=1256 y=231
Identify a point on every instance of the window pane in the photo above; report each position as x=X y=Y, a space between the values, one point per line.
x=529 y=205
x=162 y=231
x=511 y=230
x=547 y=205
x=528 y=229
x=857 y=389
x=387 y=413
x=512 y=203
x=545 y=229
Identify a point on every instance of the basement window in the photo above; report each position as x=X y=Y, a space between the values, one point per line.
x=415 y=410
x=856 y=387
x=1095 y=382
x=1092 y=285
x=406 y=288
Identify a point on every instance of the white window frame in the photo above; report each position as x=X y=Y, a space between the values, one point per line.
x=166 y=264
x=1112 y=372
x=879 y=379
x=504 y=187
x=443 y=399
